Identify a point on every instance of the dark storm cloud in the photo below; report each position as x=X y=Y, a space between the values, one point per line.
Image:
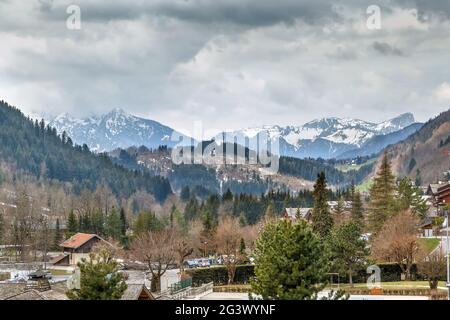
x=46 y=5
x=248 y=12
x=232 y=63
x=386 y=49
x=425 y=8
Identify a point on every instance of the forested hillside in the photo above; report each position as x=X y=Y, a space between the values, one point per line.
x=425 y=155
x=36 y=148
x=205 y=179
x=308 y=169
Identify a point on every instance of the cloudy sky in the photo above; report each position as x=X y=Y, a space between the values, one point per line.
x=228 y=63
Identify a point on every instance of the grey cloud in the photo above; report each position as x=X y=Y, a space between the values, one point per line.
x=247 y=13
x=46 y=5
x=341 y=53
x=386 y=49
x=176 y=61
x=427 y=8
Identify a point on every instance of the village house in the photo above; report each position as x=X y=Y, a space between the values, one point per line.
x=76 y=248
x=426 y=227
x=295 y=213
x=439 y=193
x=443 y=195
x=334 y=204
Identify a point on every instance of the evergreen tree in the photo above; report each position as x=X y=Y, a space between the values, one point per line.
x=242 y=220
x=114 y=225
x=340 y=208
x=409 y=197
x=291 y=262
x=72 y=224
x=171 y=216
x=147 y=221
x=227 y=196
x=381 y=200
x=123 y=223
x=270 y=213
x=191 y=210
x=352 y=191
x=418 y=181
x=86 y=223
x=58 y=236
x=322 y=222
x=100 y=279
x=185 y=194
x=123 y=227
x=98 y=223
x=348 y=249
x=2 y=228
x=208 y=224
x=242 y=246
x=298 y=215
x=357 y=209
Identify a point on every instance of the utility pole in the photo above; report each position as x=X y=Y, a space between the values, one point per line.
x=448 y=256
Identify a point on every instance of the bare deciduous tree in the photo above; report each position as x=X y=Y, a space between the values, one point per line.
x=433 y=267
x=397 y=241
x=183 y=249
x=227 y=238
x=157 y=250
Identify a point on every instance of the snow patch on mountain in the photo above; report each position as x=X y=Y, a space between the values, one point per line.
x=342 y=134
x=116 y=129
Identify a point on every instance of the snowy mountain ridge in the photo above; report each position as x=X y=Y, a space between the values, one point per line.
x=116 y=129
x=327 y=137
x=320 y=138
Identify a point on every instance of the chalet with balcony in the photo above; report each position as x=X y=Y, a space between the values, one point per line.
x=77 y=247
x=443 y=195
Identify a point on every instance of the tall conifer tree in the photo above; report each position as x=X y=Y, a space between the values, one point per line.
x=382 y=202
x=322 y=222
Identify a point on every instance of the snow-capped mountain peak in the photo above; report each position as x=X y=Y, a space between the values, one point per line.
x=326 y=137
x=396 y=123
x=115 y=129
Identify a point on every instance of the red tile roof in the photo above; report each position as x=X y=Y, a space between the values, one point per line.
x=78 y=240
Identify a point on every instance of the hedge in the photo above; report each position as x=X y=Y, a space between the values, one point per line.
x=219 y=275
x=390 y=272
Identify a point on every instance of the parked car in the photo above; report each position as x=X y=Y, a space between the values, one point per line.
x=204 y=262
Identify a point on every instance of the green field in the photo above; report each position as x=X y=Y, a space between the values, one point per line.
x=395 y=285
x=349 y=167
x=386 y=285
x=429 y=243
x=365 y=186
x=57 y=272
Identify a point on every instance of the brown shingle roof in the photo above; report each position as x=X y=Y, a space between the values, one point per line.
x=58 y=258
x=18 y=291
x=78 y=240
x=27 y=295
x=10 y=289
x=134 y=291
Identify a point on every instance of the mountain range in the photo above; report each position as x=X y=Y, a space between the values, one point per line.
x=322 y=138
x=115 y=129
x=334 y=137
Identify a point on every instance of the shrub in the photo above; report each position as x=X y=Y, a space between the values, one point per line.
x=219 y=275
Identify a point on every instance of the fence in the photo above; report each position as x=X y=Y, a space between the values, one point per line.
x=190 y=292
x=174 y=288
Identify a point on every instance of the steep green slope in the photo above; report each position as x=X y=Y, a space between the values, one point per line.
x=36 y=149
x=425 y=155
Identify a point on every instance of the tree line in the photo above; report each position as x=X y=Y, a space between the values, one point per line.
x=36 y=148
